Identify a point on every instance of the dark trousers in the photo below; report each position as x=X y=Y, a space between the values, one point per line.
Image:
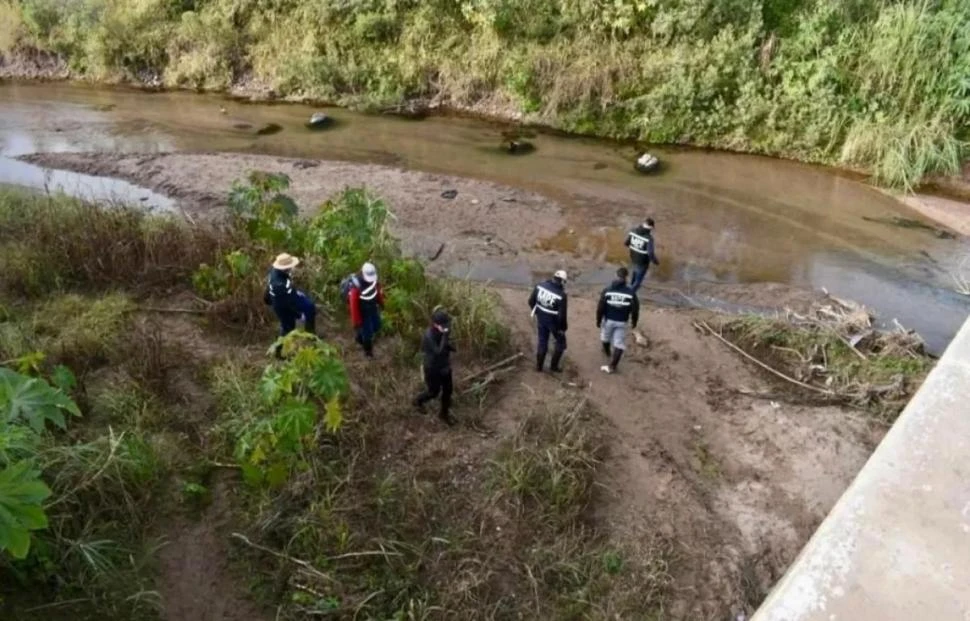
x=437 y=382
x=545 y=330
x=639 y=273
x=288 y=316
x=368 y=329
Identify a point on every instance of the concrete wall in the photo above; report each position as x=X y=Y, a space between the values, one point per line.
x=896 y=546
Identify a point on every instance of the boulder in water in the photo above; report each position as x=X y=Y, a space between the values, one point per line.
x=646 y=163
x=268 y=128
x=519 y=147
x=319 y=120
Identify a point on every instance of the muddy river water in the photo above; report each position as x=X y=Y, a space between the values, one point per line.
x=735 y=218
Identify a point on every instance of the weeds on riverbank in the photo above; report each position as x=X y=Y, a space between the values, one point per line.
x=343 y=501
x=878 y=85
x=60 y=242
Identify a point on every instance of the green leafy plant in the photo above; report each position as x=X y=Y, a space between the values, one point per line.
x=225 y=277
x=262 y=209
x=26 y=405
x=293 y=393
x=32 y=401
x=21 y=495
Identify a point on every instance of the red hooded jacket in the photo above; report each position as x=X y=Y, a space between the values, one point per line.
x=357 y=305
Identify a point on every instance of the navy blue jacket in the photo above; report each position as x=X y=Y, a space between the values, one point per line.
x=280 y=292
x=618 y=302
x=641 y=244
x=549 y=304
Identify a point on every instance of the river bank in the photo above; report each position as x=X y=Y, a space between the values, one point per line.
x=688 y=75
x=697 y=477
x=938 y=197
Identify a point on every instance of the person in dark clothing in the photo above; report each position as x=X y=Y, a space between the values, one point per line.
x=436 y=347
x=366 y=300
x=618 y=304
x=289 y=304
x=642 y=251
x=548 y=303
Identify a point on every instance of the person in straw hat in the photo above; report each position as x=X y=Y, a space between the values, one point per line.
x=289 y=304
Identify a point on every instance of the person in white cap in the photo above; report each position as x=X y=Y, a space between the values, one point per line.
x=288 y=302
x=548 y=304
x=366 y=299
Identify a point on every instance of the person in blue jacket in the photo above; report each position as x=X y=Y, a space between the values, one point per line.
x=641 y=243
x=289 y=303
x=618 y=306
x=548 y=302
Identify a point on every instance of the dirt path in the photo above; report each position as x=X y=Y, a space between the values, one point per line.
x=739 y=483
x=196 y=583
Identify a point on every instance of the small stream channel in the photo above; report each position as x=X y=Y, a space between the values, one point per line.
x=722 y=218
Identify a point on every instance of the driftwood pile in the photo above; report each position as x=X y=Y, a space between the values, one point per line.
x=832 y=351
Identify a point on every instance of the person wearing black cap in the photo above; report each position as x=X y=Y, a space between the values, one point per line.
x=548 y=303
x=641 y=244
x=437 y=348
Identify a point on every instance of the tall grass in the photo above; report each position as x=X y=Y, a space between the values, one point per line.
x=51 y=242
x=830 y=81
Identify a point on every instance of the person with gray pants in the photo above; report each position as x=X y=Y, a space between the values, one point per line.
x=618 y=305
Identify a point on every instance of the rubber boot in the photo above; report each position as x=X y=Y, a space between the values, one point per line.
x=606 y=348
x=540 y=362
x=554 y=366
x=369 y=349
x=310 y=325
x=617 y=354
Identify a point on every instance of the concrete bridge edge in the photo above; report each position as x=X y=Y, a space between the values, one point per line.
x=897 y=543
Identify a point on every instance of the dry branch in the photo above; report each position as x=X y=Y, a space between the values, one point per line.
x=704 y=327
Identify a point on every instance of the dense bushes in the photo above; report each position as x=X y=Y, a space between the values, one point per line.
x=872 y=83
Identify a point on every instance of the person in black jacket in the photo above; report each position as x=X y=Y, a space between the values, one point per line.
x=642 y=252
x=436 y=348
x=288 y=302
x=618 y=304
x=548 y=303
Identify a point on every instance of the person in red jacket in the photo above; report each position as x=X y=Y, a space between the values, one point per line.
x=366 y=300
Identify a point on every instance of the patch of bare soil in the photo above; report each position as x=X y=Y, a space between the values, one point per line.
x=196 y=583
x=739 y=483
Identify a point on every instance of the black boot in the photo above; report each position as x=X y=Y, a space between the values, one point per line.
x=278 y=351
x=606 y=348
x=369 y=349
x=445 y=416
x=310 y=325
x=617 y=354
x=540 y=362
x=554 y=366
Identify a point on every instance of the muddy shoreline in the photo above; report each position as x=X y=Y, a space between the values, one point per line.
x=38 y=66
x=487 y=232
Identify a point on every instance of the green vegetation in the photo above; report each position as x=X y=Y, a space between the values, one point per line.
x=122 y=422
x=878 y=84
